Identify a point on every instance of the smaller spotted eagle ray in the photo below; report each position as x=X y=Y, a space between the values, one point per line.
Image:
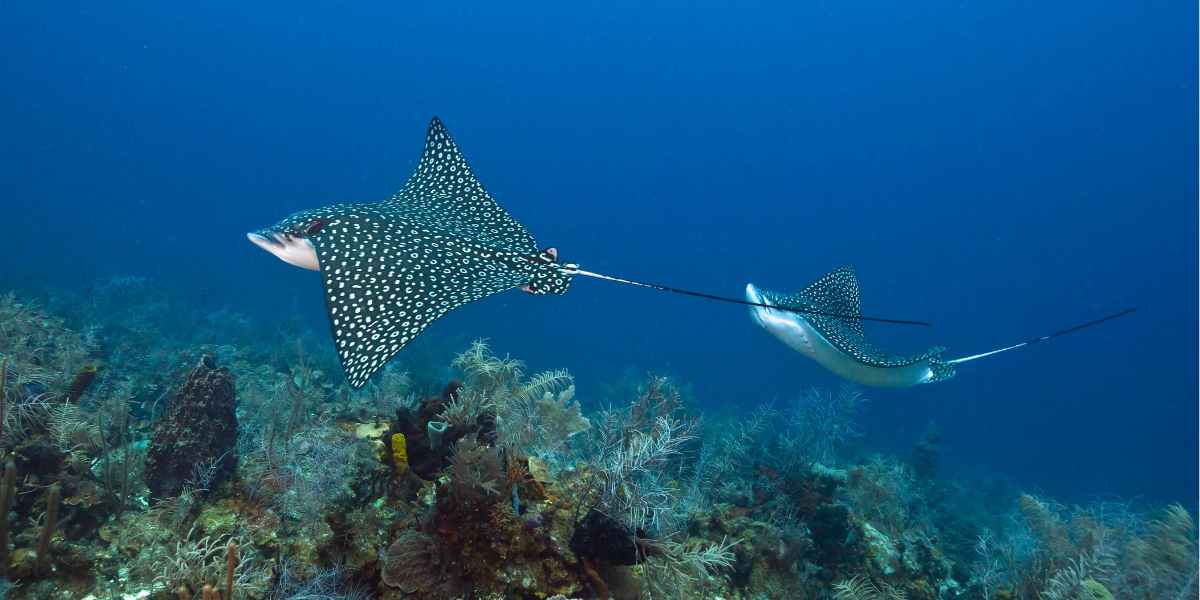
x=841 y=345
x=391 y=268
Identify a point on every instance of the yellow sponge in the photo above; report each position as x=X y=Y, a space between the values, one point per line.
x=400 y=453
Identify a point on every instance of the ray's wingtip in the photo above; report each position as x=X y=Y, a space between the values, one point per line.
x=752 y=294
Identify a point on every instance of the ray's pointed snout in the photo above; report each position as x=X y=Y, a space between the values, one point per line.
x=759 y=314
x=259 y=240
x=294 y=251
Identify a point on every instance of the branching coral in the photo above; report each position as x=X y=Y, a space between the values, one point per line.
x=465 y=407
x=40 y=349
x=819 y=422
x=535 y=416
x=784 y=450
x=677 y=566
x=1162 y=562
x=631 y=463
x=1080 y=574
x=388 y=391
x=542 y=416
x=487 y=372
x=328 y=584
x=738 y=449
x=306 y=474
x=882 y=492
x=1042 y=518
x=39 y=354
x=23 y=413
x=1078 y=551
x=198 y=560
x=71 y=430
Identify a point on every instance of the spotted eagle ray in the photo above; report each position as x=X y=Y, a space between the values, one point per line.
x=391 y=268
x=841 y=345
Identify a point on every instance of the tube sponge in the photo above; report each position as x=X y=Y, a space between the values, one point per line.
x=435 y=430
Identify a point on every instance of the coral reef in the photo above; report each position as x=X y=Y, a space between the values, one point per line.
x=159 y=474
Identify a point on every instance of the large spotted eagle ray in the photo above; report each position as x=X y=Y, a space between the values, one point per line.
x=391 y=268
x=841 y=345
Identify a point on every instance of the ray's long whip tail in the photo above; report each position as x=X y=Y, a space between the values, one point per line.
x=572 y=269
x=1042 y=338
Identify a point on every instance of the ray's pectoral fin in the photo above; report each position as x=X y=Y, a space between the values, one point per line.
x=386 y=281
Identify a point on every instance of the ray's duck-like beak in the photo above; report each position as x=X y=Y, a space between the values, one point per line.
x=293 y=250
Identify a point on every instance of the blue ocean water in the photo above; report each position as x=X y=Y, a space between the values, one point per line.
x=1002 y=170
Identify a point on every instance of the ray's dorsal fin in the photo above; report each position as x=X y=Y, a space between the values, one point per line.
x=443 y=193
x=836 y=292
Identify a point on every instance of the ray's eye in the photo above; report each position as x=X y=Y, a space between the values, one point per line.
x=313 y=227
